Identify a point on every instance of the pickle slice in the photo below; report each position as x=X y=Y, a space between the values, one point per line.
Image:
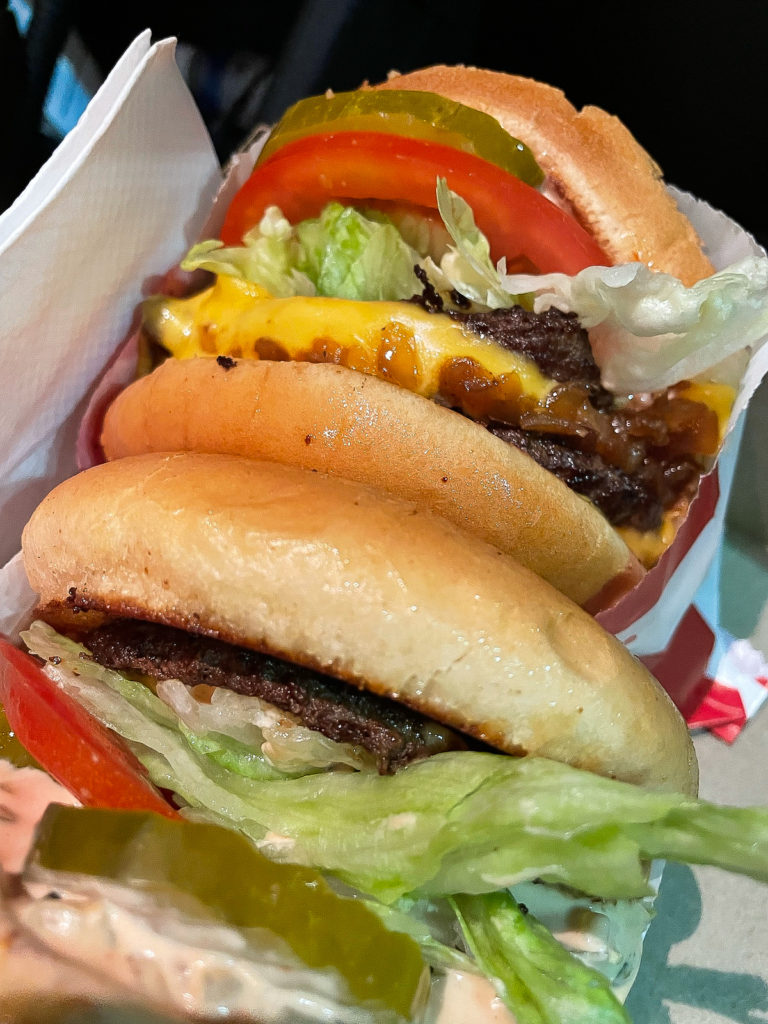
x=10 y=747
x=221 y=870
x=420 y=115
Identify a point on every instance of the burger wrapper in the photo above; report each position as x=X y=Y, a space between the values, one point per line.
x=672 y=620
x=131 y=187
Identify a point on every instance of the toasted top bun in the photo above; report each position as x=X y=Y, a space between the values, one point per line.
x=612 y=186
x=365 y=429
x=330 y=574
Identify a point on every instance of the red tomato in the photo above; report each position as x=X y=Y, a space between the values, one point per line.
x=518 y=221
x=73 y=747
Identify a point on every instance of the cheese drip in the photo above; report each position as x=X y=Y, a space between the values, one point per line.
x=396 y=341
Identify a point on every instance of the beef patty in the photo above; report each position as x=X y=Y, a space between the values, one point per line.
x=394 y=734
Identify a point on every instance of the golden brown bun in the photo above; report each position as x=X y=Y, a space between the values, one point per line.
x=331 y=574
x=333 y=419
x=612 y=185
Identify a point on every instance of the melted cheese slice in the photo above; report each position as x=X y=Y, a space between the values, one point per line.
x=397 y=341
x=718 y=397
x=649 y=546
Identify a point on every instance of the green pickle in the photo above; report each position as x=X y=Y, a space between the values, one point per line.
x=235 y=884
x=415 y=114
x=10 y=747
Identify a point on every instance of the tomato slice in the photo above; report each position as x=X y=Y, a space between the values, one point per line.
x=73 y=747
x=519 y=222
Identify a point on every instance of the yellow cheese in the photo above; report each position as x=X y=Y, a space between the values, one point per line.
x=649 y=546
x=718 y=397
x=398 y=341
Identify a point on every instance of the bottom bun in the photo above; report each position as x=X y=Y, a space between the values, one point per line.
x=375 y=591
x=333 y=419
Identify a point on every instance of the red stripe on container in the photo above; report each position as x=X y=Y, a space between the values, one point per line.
x=640 y=600
x=682 y=667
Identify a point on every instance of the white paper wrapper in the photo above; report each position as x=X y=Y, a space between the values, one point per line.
x=671 y=620
x=121 y=200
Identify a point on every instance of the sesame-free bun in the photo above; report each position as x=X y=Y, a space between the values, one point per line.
x=376 y=591
x=330 y=418
x=594 y=163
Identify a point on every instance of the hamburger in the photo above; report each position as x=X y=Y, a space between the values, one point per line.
x=457 y=288
x=495 y=757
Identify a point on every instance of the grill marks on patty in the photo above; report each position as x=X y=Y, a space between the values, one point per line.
x=554 y=340
x=623 y=499
x=633 y=463
x=391 y=732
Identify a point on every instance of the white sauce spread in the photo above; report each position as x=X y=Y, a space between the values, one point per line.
x=164 y=958
x=466 y=999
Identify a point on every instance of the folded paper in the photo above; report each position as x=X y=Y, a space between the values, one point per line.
x=122 y=197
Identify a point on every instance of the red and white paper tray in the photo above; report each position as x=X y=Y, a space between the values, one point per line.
x=119 y=203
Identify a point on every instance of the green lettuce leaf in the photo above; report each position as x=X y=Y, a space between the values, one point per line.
x=468 y=267
x=536 y=977
x=352 y=255
x=343 y=253
x=269 y=258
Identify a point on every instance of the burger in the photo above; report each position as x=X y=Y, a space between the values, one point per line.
x=353 y=686
x=455 y=287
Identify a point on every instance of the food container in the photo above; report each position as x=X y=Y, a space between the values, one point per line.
x=121 y=200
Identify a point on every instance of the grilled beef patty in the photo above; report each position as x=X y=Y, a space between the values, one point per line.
x=394 y=734
x=554 y=340
x=633 y=460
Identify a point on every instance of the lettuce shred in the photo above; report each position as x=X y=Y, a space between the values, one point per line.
x=647 y=329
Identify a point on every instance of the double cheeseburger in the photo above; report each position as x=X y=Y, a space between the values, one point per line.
x=325 y=591
x=364 y=689
x=430 y=286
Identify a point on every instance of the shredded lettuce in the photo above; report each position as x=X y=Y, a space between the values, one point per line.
x=540 y=979
x=345 y=253
x=647 y=330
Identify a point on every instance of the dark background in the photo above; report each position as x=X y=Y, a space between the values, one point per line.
x=690 y=80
